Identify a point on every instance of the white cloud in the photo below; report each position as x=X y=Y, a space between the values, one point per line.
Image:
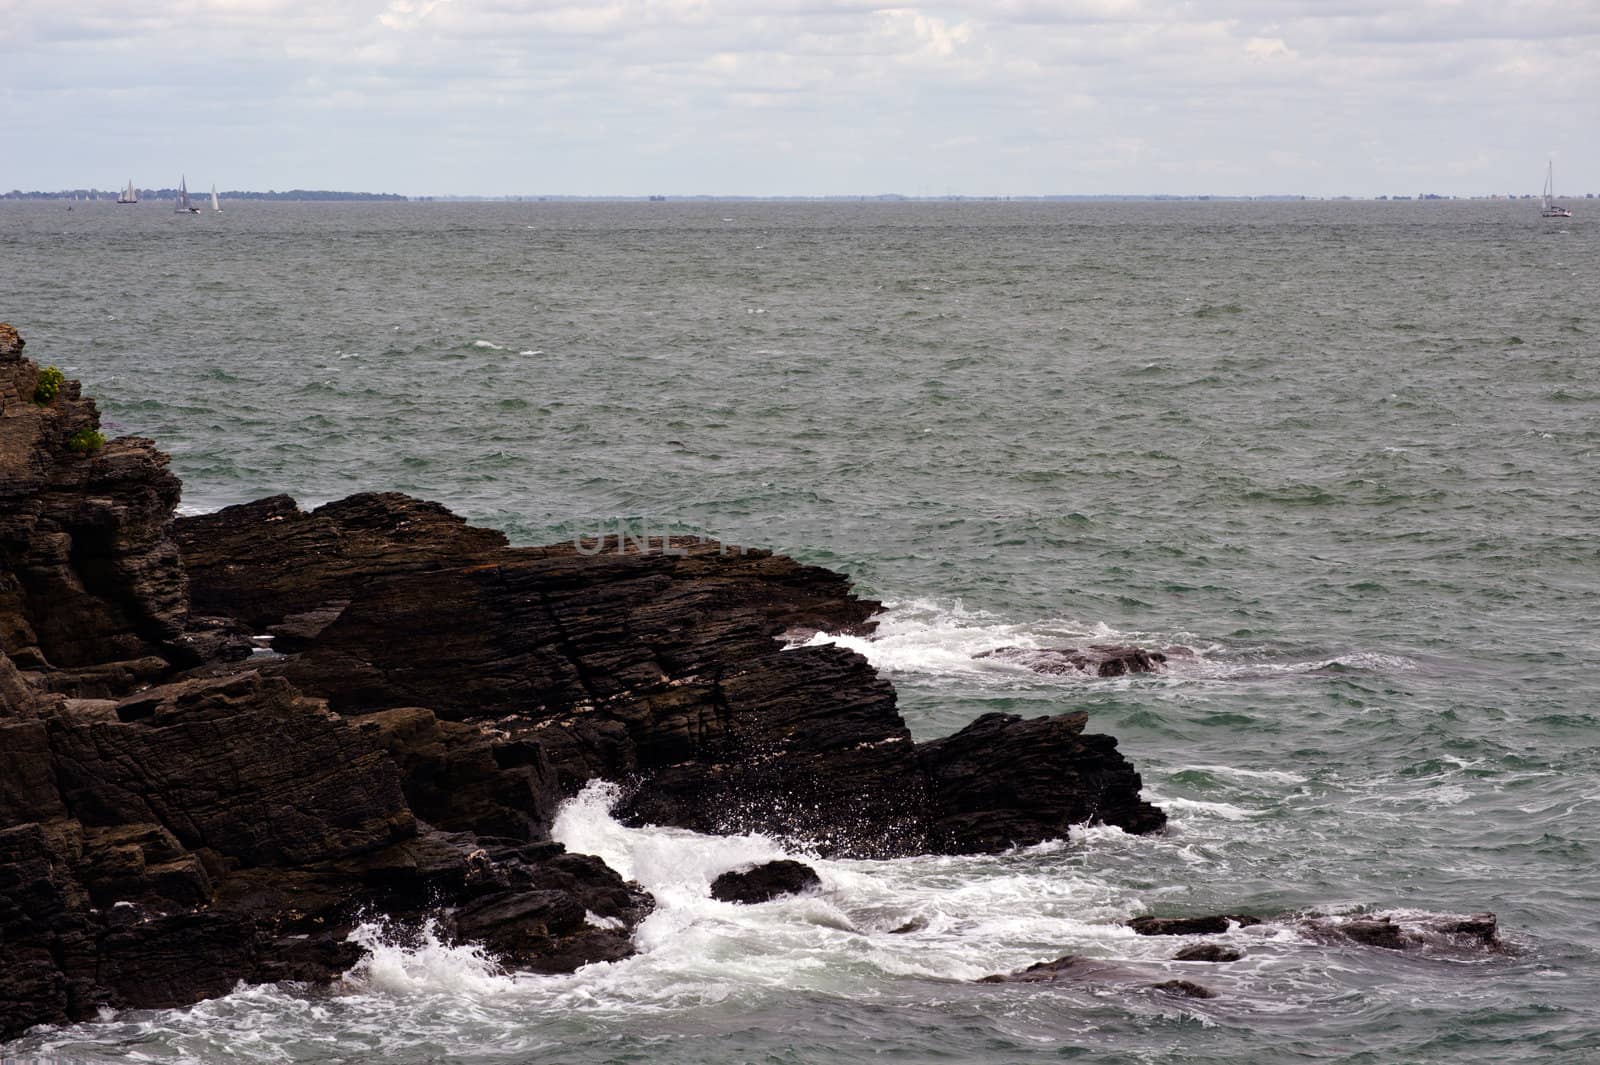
x=807 y=95
x=1269 y=48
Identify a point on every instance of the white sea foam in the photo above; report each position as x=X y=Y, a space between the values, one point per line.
x=397 y=967
x=1225 y=810
x=925 y=637
x=1277 y=776
x=922 y=636
x=491 y=345
x=972 y=915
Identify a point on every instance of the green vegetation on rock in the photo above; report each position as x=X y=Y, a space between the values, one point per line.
x=48 y=385
x=86 y=440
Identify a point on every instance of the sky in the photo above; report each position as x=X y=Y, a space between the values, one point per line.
x=803 y=97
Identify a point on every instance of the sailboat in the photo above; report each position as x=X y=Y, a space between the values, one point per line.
x=1549 y=207
x=215 y=206
x=129 y=194
x=183 y=205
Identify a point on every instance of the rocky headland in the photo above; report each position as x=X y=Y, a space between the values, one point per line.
x=180 y=810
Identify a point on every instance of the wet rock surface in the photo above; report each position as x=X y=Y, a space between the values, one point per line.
x=1055 y=776
x=1210 y=925
x=1472 y=933
x=766 y=882
x=1449 y=933
x=1207 y=952
x=1075 y=970
x=1098 y=660
x=1185 y=989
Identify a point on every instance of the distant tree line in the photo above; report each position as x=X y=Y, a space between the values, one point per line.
x=231 y=194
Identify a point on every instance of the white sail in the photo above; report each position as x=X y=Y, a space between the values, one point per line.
x=215 y=206
x=1548 y=207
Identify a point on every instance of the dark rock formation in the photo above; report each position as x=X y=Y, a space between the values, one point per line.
x=1054 y=777
x=89 y=571
x=1185 y=988
x=160 y=848
x=1191 y=926
x=177 y=815
x=553 y=915
x=1067 y=967
x=659 y=667
x=1100 y=660
x=766 y=882
x=1483 y=927
x=172 y=823
x=1376 y=932
x=1206 y=952
x=1476 y=932
x=1448 y=932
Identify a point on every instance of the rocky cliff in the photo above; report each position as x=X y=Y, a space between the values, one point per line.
x=178 y=812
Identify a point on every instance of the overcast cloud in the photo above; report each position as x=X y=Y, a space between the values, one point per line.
x=803 y=97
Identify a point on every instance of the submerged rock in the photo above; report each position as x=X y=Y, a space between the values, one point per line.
x=1410 y=931
x=765 y=882
x=1191 y=926
x=1185 y=988
x=1100 y=660
x=1079 y=970
x=1407 y=931
x=1207 y=952
x=1047 y=972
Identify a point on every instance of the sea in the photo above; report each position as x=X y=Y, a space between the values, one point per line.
x=1343 y=453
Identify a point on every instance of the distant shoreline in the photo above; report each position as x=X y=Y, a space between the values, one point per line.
x=329 y=196
x=154 y=195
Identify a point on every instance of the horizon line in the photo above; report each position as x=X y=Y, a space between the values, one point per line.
x=312 y=194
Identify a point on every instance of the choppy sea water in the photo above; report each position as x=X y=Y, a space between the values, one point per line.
x=1345 y=452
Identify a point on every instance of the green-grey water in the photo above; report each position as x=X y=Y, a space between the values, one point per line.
x=1343 y=451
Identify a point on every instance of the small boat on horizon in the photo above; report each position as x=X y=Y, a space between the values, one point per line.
x=1549 y=207
x=183 y=205
x=215 y=206
x=129 y=194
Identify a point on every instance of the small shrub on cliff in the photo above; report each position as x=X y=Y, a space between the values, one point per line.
x=86 y=440
x=49 y=383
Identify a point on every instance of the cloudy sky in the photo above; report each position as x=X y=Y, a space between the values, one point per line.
x=803 y=97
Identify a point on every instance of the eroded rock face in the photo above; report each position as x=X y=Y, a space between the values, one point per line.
x=763 y=883
x=171 y=822
x=659 y=668
x=242 y=765
x=89 y=571
x=1054 y=777
x=161 y=848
